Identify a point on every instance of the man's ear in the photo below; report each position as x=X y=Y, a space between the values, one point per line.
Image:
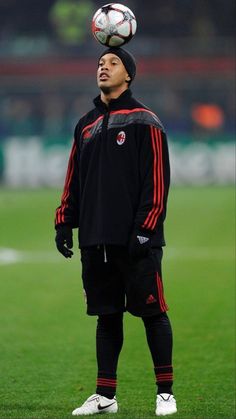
x=128 y=78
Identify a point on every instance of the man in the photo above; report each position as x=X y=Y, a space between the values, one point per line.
x=116 y=192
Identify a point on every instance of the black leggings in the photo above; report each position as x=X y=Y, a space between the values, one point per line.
x=109 y=341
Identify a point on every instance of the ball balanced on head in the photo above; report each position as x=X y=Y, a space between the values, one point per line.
x=114 y=25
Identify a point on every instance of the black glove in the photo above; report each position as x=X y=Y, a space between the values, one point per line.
x=140 y=243
x=64 y=240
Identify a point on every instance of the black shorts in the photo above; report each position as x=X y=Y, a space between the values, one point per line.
x=121 y=283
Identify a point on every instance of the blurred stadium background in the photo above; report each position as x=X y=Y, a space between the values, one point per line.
x=186 y=73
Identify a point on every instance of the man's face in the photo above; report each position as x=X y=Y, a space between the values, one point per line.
x=111 y=73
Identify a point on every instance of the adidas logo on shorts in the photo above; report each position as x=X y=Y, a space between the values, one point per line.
x=151 y=299
x=142 y=239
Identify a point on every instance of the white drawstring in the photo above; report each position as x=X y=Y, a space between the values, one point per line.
x=105 y=254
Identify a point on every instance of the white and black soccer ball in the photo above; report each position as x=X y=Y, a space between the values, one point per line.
x=114 y=25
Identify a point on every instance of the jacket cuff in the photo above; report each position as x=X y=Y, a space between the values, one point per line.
x=61 y=225
x=143 y=232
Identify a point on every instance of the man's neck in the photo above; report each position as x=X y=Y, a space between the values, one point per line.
x=107 y=97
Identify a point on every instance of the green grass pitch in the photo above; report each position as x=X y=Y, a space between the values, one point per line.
x=47 y=342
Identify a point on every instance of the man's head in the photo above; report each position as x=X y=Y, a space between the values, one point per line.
x=116 y=69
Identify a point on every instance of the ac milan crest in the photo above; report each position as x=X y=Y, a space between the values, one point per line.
x=120 y=139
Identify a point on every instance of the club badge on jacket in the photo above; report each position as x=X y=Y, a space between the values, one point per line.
x=121 y=137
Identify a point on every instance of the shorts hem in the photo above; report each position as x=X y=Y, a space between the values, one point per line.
x=139 y=314
x=104 y=312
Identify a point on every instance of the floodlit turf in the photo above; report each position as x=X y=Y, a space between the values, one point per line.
x=47 y=343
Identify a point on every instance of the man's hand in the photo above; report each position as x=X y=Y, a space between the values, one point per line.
x=140 y=243
x=64 y=240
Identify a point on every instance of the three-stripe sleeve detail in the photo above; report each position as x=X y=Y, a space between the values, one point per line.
x=60 y=214
x=158 y=181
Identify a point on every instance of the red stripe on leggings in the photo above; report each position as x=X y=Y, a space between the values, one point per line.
x=162 y=302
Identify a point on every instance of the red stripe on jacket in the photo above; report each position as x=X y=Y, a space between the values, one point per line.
x=92 y=124
x=128 y=111
x=60 y=217
x=158 y=181
x=122 y=111
x=160 y=202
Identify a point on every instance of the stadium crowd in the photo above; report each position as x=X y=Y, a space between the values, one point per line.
x=199 y=29
x=165 y=18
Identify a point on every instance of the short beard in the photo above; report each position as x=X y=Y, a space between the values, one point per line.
x=106 y=90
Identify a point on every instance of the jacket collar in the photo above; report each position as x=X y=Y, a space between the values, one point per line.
x=114 y=104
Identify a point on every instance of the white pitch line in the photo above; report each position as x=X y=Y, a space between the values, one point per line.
x=10 y=256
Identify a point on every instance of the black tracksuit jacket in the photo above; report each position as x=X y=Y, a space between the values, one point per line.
x=118 y=174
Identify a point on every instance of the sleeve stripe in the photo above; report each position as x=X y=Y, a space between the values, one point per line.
x=60 y=218
x=158 y=181
x=160 y=203
x=146 y=223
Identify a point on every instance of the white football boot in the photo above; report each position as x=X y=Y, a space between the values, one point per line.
x=165 y=404
x=96 y=404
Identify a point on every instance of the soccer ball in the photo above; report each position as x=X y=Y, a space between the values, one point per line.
x=114 y=25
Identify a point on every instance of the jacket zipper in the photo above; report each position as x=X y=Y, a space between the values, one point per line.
x=104 y=136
